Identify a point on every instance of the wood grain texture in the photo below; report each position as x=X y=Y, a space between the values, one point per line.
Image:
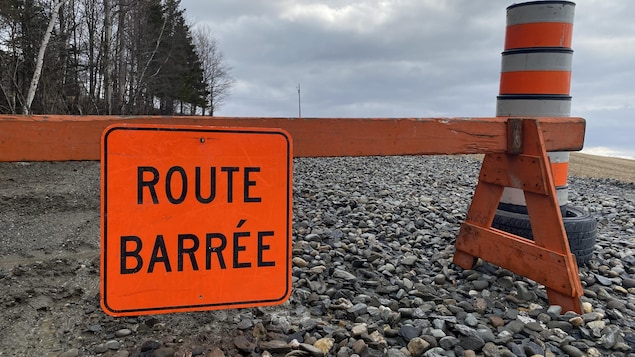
x=517 y=254
x=59 y=138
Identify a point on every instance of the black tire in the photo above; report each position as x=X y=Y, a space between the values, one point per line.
x=581 y=229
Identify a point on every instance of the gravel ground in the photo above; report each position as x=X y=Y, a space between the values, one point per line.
x=372 y=272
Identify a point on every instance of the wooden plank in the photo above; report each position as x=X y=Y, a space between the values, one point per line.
x=514 y=136
x=58 y=137
x=517 y=254
x=484 y=203
x=523 y=172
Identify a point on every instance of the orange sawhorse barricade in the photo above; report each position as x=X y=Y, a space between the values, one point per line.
x=547 y=259
x=515 y=156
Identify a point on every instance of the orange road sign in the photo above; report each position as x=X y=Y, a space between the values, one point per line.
x=194 y=218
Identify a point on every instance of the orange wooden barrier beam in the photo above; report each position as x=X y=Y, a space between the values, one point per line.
x=61 y=137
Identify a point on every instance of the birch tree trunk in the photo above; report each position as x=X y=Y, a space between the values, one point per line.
x=26 y=108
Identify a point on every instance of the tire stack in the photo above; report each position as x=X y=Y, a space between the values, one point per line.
x=535 y=82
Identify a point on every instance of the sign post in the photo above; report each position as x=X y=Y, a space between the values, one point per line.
x=194 y=218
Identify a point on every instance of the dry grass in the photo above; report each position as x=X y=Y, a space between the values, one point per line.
x=584 y=165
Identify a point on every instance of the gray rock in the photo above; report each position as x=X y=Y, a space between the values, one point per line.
x=123 y=332
x=448 y=342
x=534 y=326
x=603 y=294
x=591 y=316
x=344 y=352
x=275 y=346
x=245 y=324
x=420 y=313
x=437 y=333
x=609 y=336
x=490 y=350
x=486 y=334
x=524 y=293
x=616 y=304
x=554 y=310
x=563 y=325
x=603 y=280
x=435 y=352
x=312 y=236
x=504 y=337
x=480 y=284
x=342 y=274
x=543 y=317
x=101 y=348
x=312 y=350
x=505 y=282
x=464 y=330
x=572 y=351
x=163 y=352
x=409 y=260
x=357 y=310
x=150 y=345
x=430 y=340
x=394 y=352
x=243 y=344
x=359 y=347
x=532 y=348
x=439 y=279
x=628 y=283
x=511 y=314
x=198 y=350
x=515 y=326
x=471 y=320
x=623 y=347
x=73 y=352
x=113 y=345
x=472 y=342
x=409 y=332
x=516 y=349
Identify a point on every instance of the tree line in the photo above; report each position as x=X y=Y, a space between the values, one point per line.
x=107 y=57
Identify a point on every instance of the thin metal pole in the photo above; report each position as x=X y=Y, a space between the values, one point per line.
x=299 y=105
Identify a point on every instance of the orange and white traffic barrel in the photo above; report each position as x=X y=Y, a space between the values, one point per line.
x=536 y=78
x=535 y=82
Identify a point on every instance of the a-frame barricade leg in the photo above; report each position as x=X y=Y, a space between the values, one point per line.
x=547 y=259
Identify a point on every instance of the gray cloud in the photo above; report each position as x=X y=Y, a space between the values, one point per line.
x=371 y=58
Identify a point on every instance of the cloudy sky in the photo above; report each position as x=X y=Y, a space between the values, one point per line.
x=411 y=58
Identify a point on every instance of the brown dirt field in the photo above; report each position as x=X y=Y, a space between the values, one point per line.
x=584 y=165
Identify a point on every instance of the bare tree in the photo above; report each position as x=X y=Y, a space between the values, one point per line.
x=216 y=72
x=10 y=64
x=108 y=65
x=26 y=108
